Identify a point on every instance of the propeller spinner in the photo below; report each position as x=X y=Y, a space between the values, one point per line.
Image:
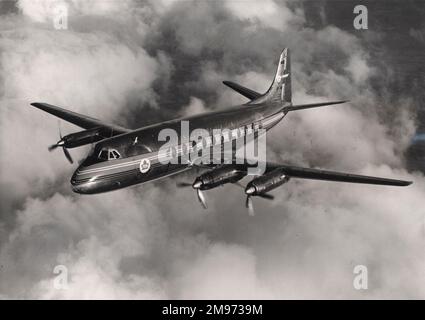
x=61 y=143
x=250 y=191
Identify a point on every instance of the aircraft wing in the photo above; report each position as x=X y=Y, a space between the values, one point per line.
x=315 y=174
x=318 y=174
x=78 y=119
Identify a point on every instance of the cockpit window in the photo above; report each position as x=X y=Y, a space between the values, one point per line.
x=103 y=154
x=113 y=154
x=108 y=154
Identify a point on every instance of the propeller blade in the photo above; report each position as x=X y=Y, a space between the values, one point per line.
x=183 y=184
x=249 y=206
x=67 y=155
x=61 y=144
x=52 y=147
x=201 y=198
x=60 y=131
x=266 y=196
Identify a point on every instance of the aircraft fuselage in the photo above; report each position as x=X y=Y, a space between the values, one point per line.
x=140 y=160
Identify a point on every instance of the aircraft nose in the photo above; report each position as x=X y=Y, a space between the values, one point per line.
x=81 y=185
x=77 y=186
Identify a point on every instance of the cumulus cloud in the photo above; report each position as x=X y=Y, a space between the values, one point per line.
x=45 y=10
x=195 y=106
x=268 y=13
x=93 y=73
x=159 y=60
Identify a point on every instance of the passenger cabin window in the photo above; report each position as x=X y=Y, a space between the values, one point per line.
x=108 y=154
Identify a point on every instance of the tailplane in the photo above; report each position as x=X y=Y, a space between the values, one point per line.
x=280 y=90
x=250 y=94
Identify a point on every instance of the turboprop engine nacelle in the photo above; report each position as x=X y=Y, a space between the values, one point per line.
x=266 y=182
x=218 y=177
x=81 y=138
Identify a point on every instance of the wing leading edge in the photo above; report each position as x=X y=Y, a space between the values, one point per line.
x=318 y=174
x=78 y=119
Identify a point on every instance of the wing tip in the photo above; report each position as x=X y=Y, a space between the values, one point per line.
x=401 y=183
x=338 y=102
x=37 y=104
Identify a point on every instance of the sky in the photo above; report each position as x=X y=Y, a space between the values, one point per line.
x=135 y=63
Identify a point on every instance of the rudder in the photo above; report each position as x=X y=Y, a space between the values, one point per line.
x=280 y=90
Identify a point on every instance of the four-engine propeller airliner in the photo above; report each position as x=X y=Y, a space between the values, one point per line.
x=122 y=157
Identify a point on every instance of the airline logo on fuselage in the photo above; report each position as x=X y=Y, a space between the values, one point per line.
x=145 y=165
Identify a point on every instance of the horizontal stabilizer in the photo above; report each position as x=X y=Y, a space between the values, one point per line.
x=250 y=94
x=312 y=105
x=317 y=174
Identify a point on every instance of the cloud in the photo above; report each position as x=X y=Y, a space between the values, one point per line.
x=359 y=69
x=195 y=106
x=231 y=271
x=93 y=254
x=268 y=13
x=91 y=73
x=158 y=60
x=45 y=10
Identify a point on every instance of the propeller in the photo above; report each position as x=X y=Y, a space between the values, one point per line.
x=248 y=203
x=61 y=143
x=201 y=198
x=249 y=206
x=196 y=185
x=183 y=184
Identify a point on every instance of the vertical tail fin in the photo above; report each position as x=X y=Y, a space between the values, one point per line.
x=280 y=89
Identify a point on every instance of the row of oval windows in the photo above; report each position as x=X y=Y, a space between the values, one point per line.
x=112 y=154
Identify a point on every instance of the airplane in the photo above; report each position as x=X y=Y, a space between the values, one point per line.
x=122 y=157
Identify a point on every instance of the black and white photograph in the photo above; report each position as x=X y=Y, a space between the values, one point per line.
x=229 y=150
